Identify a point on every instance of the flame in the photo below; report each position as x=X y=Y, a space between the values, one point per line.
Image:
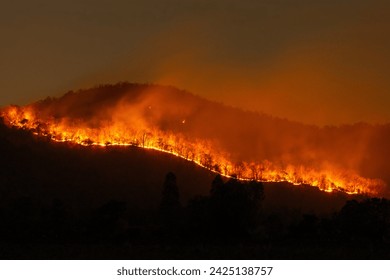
x=201 y=152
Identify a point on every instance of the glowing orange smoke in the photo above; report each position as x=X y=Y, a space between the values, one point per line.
x=200 y=152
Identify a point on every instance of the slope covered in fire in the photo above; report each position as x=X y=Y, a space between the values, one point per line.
x=84 y=177
x=69 y=201
x=226 y=140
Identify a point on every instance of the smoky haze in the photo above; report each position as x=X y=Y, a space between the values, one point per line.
x=317 y=62
x=244 y=135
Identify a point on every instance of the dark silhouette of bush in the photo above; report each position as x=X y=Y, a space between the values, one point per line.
x=233 y=209
x=236 y=206
x=369 y=219
x=170 y=207
x=108 y=222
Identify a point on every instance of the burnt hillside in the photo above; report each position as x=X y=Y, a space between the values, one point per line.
x=61 y=200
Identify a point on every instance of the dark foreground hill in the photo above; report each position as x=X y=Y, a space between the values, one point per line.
x=59 y=200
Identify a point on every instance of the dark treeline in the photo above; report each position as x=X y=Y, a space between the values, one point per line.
x=228 y=223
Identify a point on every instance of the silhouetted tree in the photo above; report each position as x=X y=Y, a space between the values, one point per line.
x=235 y=206
x=255 y=196
x=170 y=207
x=216 y=185
x=107 y=221
x=198 y=213
x=368 y=219
x=55 y=221
x=274 y=227
x=308 y=226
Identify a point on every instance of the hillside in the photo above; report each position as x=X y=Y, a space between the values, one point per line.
x=225 y=139
x=86 y=177
x=89 y=200
x=66 y=201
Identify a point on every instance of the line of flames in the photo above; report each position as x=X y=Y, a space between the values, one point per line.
x=199 y=152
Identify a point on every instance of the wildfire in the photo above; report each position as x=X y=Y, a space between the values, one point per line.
x=200 y=152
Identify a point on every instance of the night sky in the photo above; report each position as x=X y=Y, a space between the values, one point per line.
x=321 y=62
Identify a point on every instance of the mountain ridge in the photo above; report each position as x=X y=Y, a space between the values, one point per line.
x=244 y=136
x=37 y=167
